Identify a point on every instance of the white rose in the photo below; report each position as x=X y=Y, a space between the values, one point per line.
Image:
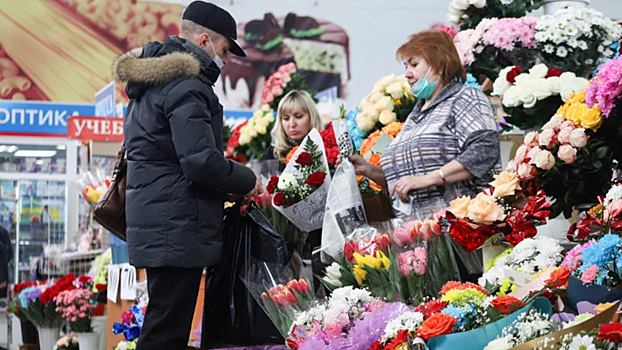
x=566 y=91
x=266 y=108
x=521 y=153
x=580 y=83
x=452 y=17
x=567 y=78
x=500 y=85
x=262 y=129
x=460 y=4
x=539 y=71
x=564 y=135
x=555 y=122
x=526 y=171
x=387 y=117
x=541 y=88
x=258 y=114
x=547 y=138
x=578 y=138
x=478 y=3
x=384 y=104
x=511 y=97
x=545 y=160
x=395 y=90
x=533 y=153
x=285 y=181
x=527 y=97
x=556 y=84
x=375 y=97
x=522 y=79
x=567 y=153
x=364 y=122
x=532 y=138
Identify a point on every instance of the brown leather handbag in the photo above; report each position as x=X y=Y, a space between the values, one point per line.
x=110 y=210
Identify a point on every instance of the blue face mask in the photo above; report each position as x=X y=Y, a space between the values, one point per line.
x=423 y=89
x=217 y=60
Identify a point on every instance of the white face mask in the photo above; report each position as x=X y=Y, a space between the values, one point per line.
x=217 y=60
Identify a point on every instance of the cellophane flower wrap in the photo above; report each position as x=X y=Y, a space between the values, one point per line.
x=511 y=208
x=300 y=192
x=529 y=257
x=598 y=262
x=281 y=291
x=131 y=322
x=489 y=47
x=531 y=97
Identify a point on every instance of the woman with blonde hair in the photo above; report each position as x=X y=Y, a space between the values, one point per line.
x=296 y=116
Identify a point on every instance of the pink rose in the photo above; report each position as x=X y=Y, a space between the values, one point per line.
x=555 y=122
x=578 y=138
x=526 y=171
x=533 y=153
x=564 y=135
x=521 y=153
x=567 y=153
x=512 y=166
x=532 y=139
x=544 y=160
x=568 y=124
x=548 y=138
x=590 y=274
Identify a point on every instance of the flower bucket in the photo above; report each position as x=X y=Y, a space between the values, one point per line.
x=477 y=339
x=552 y=6
x=88 y=341
x=594 y=293
x=48 y=337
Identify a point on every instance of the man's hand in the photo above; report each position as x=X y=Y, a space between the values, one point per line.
x=257 y=190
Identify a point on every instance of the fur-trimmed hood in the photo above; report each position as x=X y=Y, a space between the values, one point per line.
x=157 y=64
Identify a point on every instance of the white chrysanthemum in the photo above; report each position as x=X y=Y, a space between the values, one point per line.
x=614 y=194
x=409 y=320
x=562 y=51
x=286 y=180
x=582 y=343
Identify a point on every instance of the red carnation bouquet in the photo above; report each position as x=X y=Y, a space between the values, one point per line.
x=300 y=192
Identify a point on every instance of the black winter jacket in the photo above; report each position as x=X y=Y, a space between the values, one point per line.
x=177 y=175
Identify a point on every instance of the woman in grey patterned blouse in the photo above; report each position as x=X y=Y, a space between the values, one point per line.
x=449 y=145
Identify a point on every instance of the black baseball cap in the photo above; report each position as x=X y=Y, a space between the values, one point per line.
x=217 y=19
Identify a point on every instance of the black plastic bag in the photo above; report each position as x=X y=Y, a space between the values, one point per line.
x=231 y=316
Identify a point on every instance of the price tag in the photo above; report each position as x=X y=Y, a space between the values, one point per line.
x=113 y=282
x=128 y=282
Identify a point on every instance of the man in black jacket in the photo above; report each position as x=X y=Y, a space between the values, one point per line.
x=177 y=177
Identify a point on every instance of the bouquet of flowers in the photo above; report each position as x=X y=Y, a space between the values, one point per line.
x=233 y=145
x=531 y=98
x=371 y=150
x=92 y=189
x=511 y=208
x=76 y=307
x=527 y=258
x=15 y=304
x=68 y=342
x=284 y=80
x=131 y=324
x=281 y=292
x=572 y=164
x=390 y=101
x=469 y=13
x=300 y=191
x=597 y=262
x=497 y=43
x=350 y=318
x=576 y=39
x=254 y=135
x=38 y=304
x=330 y=148
x=126 y=345
x=605 y=217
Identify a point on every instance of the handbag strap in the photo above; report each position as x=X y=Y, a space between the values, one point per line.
x=120 y=165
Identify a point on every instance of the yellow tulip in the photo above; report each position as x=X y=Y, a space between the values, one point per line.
x=367 y=260
x=360 y=274
x=386 y=262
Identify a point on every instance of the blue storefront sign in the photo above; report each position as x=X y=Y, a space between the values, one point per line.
x=25 y=118
x=105 y=102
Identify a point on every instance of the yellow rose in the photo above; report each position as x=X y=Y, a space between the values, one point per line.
x=505 y=184
x=396 y=90
x=575 y=112
x=591 y=118
x=460 y=206
x=484 y=210
x=258 y=114
x=266 y=108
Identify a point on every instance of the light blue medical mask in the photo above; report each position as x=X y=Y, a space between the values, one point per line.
x=217 y=60
x=423 y=89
